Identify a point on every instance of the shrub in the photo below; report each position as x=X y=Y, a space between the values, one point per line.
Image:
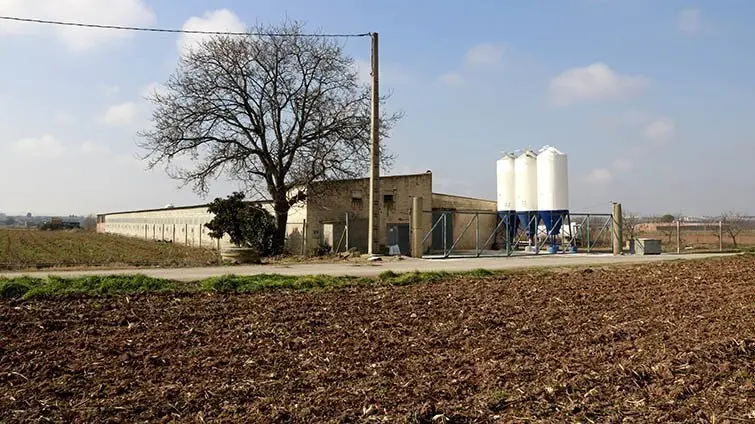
x=247 y=224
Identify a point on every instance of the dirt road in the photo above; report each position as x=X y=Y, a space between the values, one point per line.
x=372 y=269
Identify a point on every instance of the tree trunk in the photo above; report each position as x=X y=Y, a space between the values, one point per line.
x=281 y=220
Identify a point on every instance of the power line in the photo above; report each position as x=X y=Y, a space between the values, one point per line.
x=173 y=31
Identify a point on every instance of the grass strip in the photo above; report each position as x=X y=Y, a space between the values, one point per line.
x=25 y=288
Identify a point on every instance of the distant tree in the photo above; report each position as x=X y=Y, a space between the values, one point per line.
x=273 y=112
x=668 y=231
x=631 y=225
x=733 y=224
x=10 y=221
x=667 y=219
x=89 y=223
x=247 y=224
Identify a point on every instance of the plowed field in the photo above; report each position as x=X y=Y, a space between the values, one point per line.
x=670 y=342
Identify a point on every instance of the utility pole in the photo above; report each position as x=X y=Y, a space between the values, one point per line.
x=618 y=223
x=374 y=210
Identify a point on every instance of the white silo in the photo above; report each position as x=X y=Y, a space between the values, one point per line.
x=506 y=193
x=505 y=183
x=552 y=188
x=525 y=190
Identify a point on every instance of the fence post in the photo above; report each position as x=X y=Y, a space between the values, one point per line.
x=678 y=237
x=588 y=234
x=720 y=236
x=445 y=225
x=416 y=227
x=304 y=238
x=477 y=231
x=347 y=231
x=617 y=229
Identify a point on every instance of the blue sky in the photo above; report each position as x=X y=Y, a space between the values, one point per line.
x=652 y=101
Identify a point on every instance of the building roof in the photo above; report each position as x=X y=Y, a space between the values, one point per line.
x=174 y=208
x=463 y=197
x=257 y=202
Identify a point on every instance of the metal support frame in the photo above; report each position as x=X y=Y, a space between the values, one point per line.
x=590 y=242
x=592 y=236
x=479 y=248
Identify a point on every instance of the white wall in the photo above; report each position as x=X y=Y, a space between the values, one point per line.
x=186 y=226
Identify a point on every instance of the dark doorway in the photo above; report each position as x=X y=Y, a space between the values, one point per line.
x=398 y=234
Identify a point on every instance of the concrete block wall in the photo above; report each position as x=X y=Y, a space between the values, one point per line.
x=333 y=200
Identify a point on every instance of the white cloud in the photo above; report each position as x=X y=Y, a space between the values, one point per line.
x=64 y=118
x=109 y=90
x=484 y=55
x=62 y=178
x=90 y=148
x=451 y=78
x=689 y=21
x=122 y=114
x=110 y=12
x=216 y=20
x=660 y=130
x=623 y=165
x=46 y=146
x=595 y=82
x=600 y=176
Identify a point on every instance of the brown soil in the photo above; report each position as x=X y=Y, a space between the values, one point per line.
x=672 y=342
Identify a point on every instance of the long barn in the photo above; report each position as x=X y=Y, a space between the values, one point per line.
x=335 y=214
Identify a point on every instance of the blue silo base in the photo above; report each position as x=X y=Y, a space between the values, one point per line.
x=553 y=220
x=511 y=223
x=528 y=220
x=552 y=249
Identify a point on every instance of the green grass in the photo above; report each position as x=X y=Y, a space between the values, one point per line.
x=253 y=283
x=27 y=288
x=96 y=286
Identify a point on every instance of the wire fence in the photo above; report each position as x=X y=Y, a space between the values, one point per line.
x=685 y=235
x=456 y=233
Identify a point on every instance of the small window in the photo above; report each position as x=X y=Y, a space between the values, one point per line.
x=356 y=203
x=388 y=202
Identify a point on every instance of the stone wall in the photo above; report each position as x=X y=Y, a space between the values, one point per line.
x=334 y=200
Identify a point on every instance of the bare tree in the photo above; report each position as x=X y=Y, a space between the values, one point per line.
x=631 y=225
x=274 y=112
x=733 y=224
x=89 y=223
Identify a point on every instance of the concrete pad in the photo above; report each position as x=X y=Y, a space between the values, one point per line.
x=375 y=268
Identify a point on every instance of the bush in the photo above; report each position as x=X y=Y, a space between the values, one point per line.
x=247 y=224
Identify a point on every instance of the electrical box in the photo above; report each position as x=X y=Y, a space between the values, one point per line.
x=647 y=246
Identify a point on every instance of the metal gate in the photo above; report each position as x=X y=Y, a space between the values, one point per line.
x=461 y=234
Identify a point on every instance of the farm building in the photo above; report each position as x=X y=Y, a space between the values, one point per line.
x=336 y=215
